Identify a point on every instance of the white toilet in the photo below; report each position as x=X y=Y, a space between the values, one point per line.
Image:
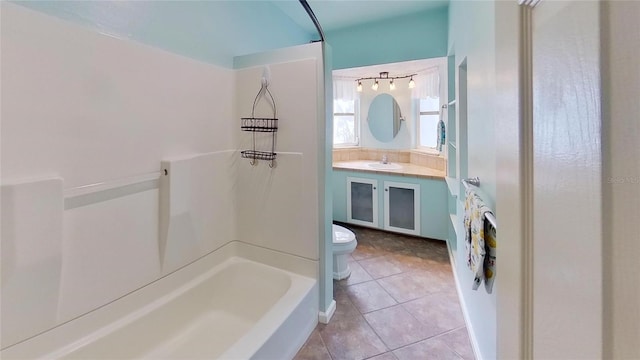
x=344 y=242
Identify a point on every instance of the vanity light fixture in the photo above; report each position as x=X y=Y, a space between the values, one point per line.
x=385 y=76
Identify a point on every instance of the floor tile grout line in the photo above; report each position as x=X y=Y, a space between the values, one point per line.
x=432 y=337
x=382 y=308
x=378 y=335
x=325 y=346
x=369 y=258
x=365 y=270
x=363 y=313
x=425 y=339
x=447 y=344
x=386 y=352
x=435 y=335
x=388 y=293
x=400 y=273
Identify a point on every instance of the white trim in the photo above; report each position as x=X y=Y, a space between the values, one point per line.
x=527 y=179
x=529 y=3
x=325 y=316
x=470 y=331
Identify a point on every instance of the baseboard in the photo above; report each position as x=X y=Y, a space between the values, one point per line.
x=325 y=316
x=463 y=305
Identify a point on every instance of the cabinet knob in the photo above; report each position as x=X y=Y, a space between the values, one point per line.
x=374 y=188
x=386 y=189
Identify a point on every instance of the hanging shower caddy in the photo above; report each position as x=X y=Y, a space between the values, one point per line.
x=261 y=125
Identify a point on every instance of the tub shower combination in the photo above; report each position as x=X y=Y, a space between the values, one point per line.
x=237 y=301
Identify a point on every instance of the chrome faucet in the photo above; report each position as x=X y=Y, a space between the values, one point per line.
x=385 y=160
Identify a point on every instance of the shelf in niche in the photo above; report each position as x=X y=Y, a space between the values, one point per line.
x=452 y=184
x=453 y=145
x=454 y=222
x=451 y=103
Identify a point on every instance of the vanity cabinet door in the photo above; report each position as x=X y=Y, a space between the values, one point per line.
x=362 y=201
x=402 y=207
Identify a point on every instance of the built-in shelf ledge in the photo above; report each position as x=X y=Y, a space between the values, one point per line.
x=452 y=184
x=452 y=103
x=454 y=222
x=453 y=145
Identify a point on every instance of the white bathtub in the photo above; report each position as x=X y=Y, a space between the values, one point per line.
x=237 y=309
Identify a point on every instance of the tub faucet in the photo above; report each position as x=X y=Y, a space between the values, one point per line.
x=385 y=160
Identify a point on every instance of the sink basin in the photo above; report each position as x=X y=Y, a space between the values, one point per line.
x=381 y=166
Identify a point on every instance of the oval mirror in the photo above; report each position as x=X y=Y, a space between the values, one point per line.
x=384 y=117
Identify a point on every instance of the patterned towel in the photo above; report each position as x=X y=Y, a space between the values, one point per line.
x=490 y=256
x=480 y=241
x=441 y=133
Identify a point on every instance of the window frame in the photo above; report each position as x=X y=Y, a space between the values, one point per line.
x=442 y=100
x=420 y=113
x=356 y=124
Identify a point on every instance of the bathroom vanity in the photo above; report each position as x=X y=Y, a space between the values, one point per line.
x=400 y=196
x=378 y=181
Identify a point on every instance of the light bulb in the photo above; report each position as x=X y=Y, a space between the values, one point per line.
x=412 y=83
x=374 y=87
x=359 y=86
x=392 y=85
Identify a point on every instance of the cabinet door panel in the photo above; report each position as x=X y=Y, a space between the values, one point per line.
x=362 y=201
x=402 y=207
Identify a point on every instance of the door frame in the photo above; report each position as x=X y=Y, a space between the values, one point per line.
x=514 y=180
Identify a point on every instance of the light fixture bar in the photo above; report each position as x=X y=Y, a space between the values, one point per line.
x=385 y=76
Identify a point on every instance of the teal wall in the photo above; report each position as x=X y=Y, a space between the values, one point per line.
x=422 y=35
x=472 y=42
x=434 y=220
x=209 y=31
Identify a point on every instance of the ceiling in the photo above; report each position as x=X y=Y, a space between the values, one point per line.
x=337 y=14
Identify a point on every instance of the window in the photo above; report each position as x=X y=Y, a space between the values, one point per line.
x=345 y=130
x=428 y=123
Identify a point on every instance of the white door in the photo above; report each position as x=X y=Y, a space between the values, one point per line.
x=555 y=208
x=568 y=175
x=567 y=210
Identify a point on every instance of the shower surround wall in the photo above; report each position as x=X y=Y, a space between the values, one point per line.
x=284 y=208
x=88 y=108
x=270 y=200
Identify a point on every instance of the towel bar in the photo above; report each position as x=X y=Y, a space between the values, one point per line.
x=475 y=181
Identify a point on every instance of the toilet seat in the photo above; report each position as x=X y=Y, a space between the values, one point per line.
x=344 y=240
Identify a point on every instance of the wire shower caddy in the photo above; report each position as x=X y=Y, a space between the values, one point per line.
x=255 y=125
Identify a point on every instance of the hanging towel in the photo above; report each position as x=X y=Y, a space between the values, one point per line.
x=479 y=248
x=441 y=133
x=490 y=256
